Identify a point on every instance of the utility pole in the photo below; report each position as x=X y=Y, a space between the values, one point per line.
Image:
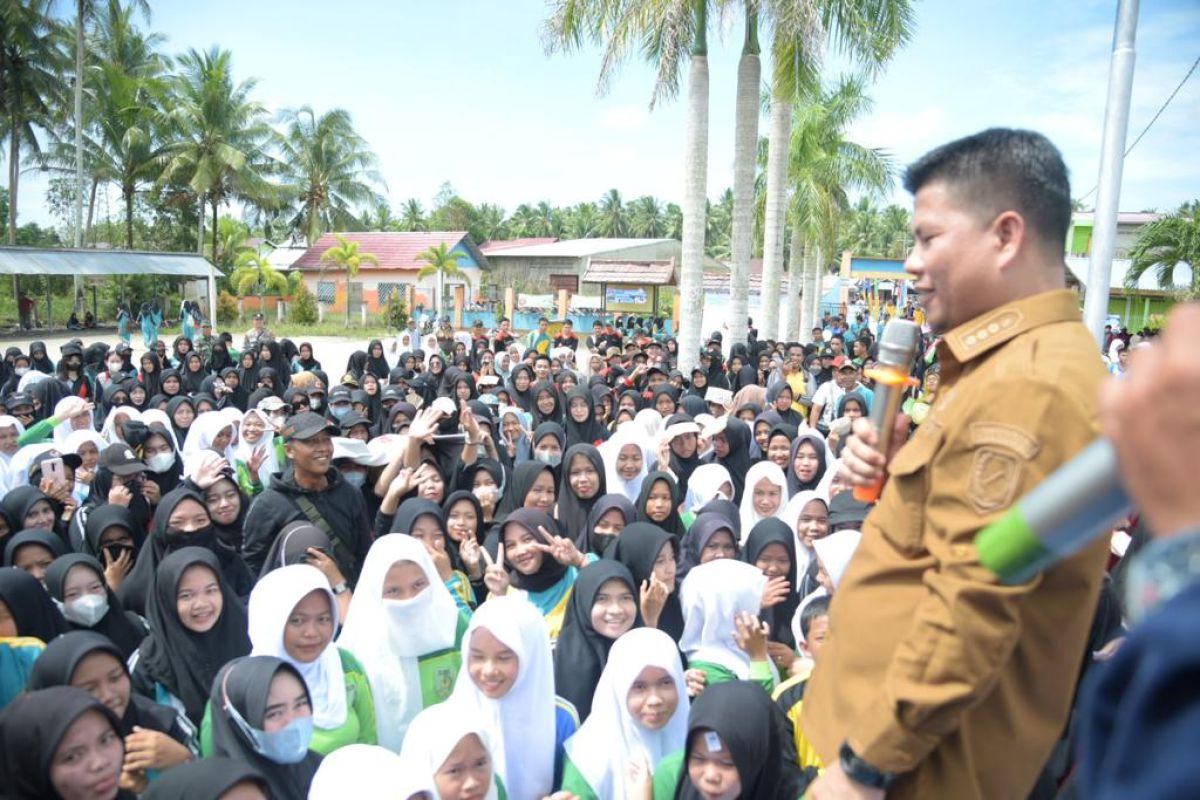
x=1112 y=162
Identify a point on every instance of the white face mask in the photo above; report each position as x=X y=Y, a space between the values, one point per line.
x=160 y=462
x=86 y=610
x=114 y=367
x=21 y=371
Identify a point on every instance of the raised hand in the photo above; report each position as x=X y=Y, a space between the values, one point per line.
x=751 y=636
x=495 y=577
x=775 y=592
x=654 y=595
x=561 y=549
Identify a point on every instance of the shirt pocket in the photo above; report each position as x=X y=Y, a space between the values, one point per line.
x=902 y=513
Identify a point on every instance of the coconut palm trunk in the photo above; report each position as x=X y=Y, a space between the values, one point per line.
x=791 y=322
x=79 y=11
x=745 y=146
x=809 y=302
x=814 y=285
x=691 y=279
x=779 y=138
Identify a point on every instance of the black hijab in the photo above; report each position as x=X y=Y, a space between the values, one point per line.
x=18 y=501
x=192 y=379
x=123 y=628
x=183 y=661
x=637 y=548
x=522 y=400
x=203 y=779
x=682 y=468
x=218 y=358
x=170 y=372
x=703 y=527
x=283 y=370
x=573 y=510
x=291 y=545
x=592 y=431
x=36 y=536
x=588 y=540
x=244 y=683
x=452 y=547
x=41 y=363
x=31 y=729
x=56 y=667
x=151 y=380
x=548 y=388
x=672 y=524
x=581 y=651
x=551 y=572
x=248 y=375
x=377 y=365
x=523 y=477
x=32 y=610
x=237 y=397
x=173 y=405
x=779 y=616
x=755 y=731
x=737 y=433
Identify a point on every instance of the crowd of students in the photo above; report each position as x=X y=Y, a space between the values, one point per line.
x=457 y=568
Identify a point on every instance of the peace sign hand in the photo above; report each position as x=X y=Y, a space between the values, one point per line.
x=561 y=549
x=495 y=577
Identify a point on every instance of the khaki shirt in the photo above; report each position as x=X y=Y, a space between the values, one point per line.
x=933 y=667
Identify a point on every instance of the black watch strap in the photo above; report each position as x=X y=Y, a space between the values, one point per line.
x=860 y=771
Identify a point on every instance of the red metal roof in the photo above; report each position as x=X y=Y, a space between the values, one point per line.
x=492 y=245
x=394 y=250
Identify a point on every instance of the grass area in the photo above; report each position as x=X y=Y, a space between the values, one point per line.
x=290 y=330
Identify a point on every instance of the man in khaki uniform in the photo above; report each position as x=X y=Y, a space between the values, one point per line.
x=938 y=681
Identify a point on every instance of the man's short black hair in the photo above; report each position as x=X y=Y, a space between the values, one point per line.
x=541 y=357
x=817 y=608
x=543 y=319
x=1003 y=169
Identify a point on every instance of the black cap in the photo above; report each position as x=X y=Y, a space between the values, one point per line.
x=846 y=512
x=348 y=422
x=19 y=399
x=259 y=315
x=338 y=394
x=119 y=459
x=392 y=393
x=71 y=349
x=827 y=352
x=306 y=425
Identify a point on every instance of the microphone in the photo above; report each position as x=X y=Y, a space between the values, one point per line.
x=1080 y=501
x=897 y=349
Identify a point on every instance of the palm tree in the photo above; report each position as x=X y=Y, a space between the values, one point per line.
x=823 y=168
x=489 y=223
x=380 y=218
x=523 y=221
x=327 y=166
x=646 y=218
x=444 y=264
x=745 y=143
x=582 y=222
x=1166 y=243
x=253 y=274
x=612 y=222
x=219 y=134
x=868 y=32
x=412 y=216
x=346 y=255
x=231 y=242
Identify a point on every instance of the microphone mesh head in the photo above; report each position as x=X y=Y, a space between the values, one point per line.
x=899 y=343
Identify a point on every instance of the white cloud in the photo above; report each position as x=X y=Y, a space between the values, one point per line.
x=623 y=118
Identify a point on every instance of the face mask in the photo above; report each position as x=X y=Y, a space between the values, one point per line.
x=21 y=371
x=603 y=540
x=114 y=367
x=160 y=462
x=355 y=479
x=86 y=610
x=286 y=746
x=485 y=494
x=548 y=457
x=314 y=403
x=339 y=411
x=204 y=537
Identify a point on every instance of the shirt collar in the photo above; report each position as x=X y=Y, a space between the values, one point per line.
x=992 y=329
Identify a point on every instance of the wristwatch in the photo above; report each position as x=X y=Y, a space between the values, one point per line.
x=860 y=771
x=341 y=588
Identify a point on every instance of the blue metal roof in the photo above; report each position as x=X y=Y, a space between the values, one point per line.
x=69 y=262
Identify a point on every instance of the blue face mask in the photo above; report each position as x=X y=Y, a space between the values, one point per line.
x=339 y=411
x=288 y=745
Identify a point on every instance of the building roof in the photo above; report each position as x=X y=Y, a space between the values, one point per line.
x=394 y=250
x=1123 y=217
x=577 y=248
x=651 y=272
x=68 y=261
x=494 y=245
x=1147 y=284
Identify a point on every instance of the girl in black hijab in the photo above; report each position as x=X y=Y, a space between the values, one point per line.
x=693 y=405
x=603 y=606
x=546 y=407
x=46 y=395
x=580 y=419
x=546 y=453
x=171 y=382
x=33 y=550
x=356 y=364
x=171 y=738
x=219 y=359
x=771 y=546
x=523 y=478
x=292 y=544
x=248 y=370
x=732 y=452
x=658 y=503
x=38 y=360
x=182 y=655
x=269 y=379
x=601 y=528
x=193 y=373
x=464 y=530
x=32 y=611
x=304 y=358
x=34 y=728
x=26 y=507
x=241 y=698
x=270 y=356
x=215 y=776
x=377 y=364
x=181 y=420
x=684 y=447
x=751 y=728
x=780 y=398
x=521 y=375
x=123 y=539
x=76 y=581
x=233 y=382
x=648 y=551
x=583 y=482
x=814 y=450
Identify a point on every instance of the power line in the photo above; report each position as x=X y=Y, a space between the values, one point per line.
x=1153 y=119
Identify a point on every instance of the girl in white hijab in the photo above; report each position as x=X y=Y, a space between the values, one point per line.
x=111 y=430
x=626 y=460
x=707 y=483
x=80 y=422
x=153 y=415
x=7 y=422
x=643 y=672
x=765 y=496
x=367 y=772
x=454 y=751
x=833 y=554
x=507 y=683
x=88 y=446
x=808 y=523
x=256 y=436
x=405 y=629
x=293 y=616
x=210 y=431
x=721 y=600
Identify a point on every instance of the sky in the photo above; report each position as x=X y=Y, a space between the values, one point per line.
x=463 y=91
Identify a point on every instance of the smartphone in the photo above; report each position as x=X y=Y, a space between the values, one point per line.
x=53 y=468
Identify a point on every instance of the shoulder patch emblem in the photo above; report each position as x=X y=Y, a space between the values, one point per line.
x=995 y=474
x=1007 y=437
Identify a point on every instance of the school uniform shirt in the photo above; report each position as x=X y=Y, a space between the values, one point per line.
x=957 y=660
x=611 y=738
x=409 y=648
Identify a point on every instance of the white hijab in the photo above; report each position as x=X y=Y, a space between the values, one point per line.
x=266 y=443
x=434 y=733
x=65 y=429
x=110 y=432
x=204 y=430
x=153 y=415
x=628 y=433
x=704 y=485
x=611 y=739
x=71 y=445
x=712 y=595
x=756 y=473
x=791 y=515
x=366 y=772
x=389 y=636
x=272 y=602
x=835 y=552
x=522 y=724
x=7 y=421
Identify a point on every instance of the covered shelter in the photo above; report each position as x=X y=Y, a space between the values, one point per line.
x=69 y=262
x=628 y=285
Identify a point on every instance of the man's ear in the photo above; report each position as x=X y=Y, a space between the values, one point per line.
x=1008 y=232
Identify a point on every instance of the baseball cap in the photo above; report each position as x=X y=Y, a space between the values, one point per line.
x=339 y=394
x=306 y=425
x=272 y=403
x=841 y=362
x=359 y=452
x=120 y=460
x=259 y=315
x=846 y=512
x=70 y=459
x=348 y=422
x=826 y=352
